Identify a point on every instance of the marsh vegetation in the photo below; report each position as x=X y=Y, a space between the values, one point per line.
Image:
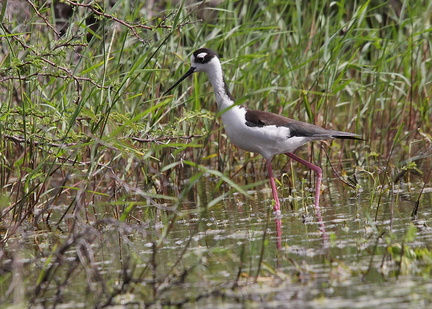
x=112 y=194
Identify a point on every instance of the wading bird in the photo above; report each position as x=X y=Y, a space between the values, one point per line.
x=258 y=131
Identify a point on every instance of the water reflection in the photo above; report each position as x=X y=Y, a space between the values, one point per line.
x=278 y=222
x=321 y=228
x=234 y=252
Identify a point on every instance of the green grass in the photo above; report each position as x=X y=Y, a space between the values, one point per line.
x=83 y=124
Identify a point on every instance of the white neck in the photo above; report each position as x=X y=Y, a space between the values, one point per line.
x=223 y=99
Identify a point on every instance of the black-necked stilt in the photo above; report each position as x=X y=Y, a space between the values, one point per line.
x=257 y=131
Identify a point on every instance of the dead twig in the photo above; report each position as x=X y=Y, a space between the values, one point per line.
x=163 y=138
x=44 y=18
x=97 y=10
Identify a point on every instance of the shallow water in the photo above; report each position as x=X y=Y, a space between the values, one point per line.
x=349 y=267
x=232 y=255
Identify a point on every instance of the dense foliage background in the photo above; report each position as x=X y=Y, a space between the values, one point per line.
x=87 y=137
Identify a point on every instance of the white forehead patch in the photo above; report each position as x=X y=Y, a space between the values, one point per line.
x=201 y=55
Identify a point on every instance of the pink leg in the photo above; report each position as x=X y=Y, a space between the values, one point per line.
x=318 y=172
x=276 y=207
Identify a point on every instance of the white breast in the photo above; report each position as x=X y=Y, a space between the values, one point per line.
x=266 y=140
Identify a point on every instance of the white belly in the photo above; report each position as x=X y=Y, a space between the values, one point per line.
x=266 y=140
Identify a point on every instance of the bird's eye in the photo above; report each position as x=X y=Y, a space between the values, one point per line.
x=200 y=58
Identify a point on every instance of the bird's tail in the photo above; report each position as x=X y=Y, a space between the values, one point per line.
x=346 y=135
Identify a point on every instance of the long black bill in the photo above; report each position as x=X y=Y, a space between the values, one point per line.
x=191 y=71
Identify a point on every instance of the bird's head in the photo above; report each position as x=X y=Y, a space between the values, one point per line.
x=202 y=60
